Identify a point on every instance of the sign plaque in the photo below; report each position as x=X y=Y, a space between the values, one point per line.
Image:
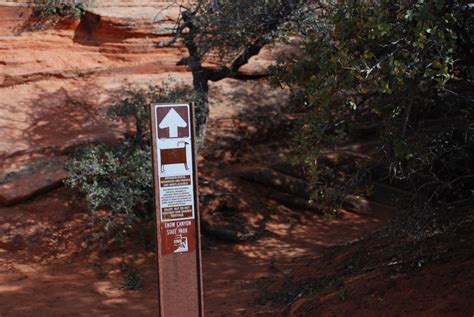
x=177 y=212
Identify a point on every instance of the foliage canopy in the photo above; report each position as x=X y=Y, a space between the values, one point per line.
x=406 y=67
x=227 y=34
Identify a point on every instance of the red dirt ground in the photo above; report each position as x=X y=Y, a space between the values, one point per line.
x=54 y=272
x=55 y=263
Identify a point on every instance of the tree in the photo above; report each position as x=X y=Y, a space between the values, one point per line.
x=229 y=32
x=118 y=176
x=407 y=67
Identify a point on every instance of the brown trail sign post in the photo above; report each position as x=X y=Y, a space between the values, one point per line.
x=177 y=212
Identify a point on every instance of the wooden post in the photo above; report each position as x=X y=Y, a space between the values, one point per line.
x=177 y=210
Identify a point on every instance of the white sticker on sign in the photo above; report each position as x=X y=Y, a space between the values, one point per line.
x=175 y=172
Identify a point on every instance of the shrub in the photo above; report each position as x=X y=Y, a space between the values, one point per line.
x=405 y=66
x=58 y=8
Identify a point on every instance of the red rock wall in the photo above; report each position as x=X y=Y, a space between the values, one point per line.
x=58 y=78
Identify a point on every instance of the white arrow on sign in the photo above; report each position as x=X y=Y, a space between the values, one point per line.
x=172 y=121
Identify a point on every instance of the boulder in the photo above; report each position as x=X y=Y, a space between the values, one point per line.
x=31 y=179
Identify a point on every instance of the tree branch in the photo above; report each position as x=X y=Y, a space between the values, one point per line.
x=238 y=62
x=177 y=35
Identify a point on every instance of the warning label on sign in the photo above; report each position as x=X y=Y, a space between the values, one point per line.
x=177 y=212
x=184 y=180
x=176 y=202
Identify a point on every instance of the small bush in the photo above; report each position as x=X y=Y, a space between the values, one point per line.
x=131 y=278
x=58 y=8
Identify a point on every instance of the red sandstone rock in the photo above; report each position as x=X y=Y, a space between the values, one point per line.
x=56 y=84
x=31 y=180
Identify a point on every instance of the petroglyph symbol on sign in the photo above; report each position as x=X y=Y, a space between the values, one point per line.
x=174 y=156
x=173 y=124
x=180 y=243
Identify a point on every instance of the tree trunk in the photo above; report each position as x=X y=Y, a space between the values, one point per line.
x=200 y=81
x=201 y=89
x=200 y=85
x=202 y=76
